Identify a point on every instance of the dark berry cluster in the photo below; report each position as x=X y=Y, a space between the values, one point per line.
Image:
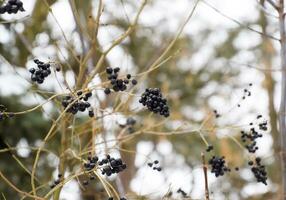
x=107 y=165
x=91 y=162
x=56 y=182
x=258 y=170
x=155 y=165
x=153 y=99
x=209 y=148
x=4 y=114
x=111 y=166
x=263 y=126
x=43 y=71
x=182 y=192
x=130 y=123
x=117 y=84
x=250 y=137
x=218 y=166
x=89 y=165
x=12 y=6
x=79 y=103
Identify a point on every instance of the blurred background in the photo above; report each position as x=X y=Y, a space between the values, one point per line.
x=216 y=57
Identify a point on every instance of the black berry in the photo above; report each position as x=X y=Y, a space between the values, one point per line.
x=12 y=6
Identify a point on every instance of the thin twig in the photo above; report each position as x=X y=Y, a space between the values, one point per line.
x=205 y=168
x=130 y=29
x=238 y=22
x=272 y=3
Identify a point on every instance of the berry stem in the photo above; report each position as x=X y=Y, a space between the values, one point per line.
x=205 y=168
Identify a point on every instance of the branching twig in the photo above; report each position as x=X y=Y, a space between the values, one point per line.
x=116 y=42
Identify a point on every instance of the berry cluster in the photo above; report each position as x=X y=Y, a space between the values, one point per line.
x=258 y=170
x=56 y=182
x=130 y=123
x=107 y=165
x=152 y=98
x=117 y=84
x=263 y=126
x=249 y=138
x=79 y=103
x=4 y=114
x=218 y=166
x=156 y=167
x=91 y=162
x=182 y=192
x=111 y=165
x=89 y=166
x=13 y=6
x=43 y=71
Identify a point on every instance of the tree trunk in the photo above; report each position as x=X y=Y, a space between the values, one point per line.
x=282 y=122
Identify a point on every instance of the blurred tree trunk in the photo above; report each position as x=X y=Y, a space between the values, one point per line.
x=268 y=52
x=282 y=122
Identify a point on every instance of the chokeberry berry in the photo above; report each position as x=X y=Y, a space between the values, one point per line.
x=128 y=76
x=209 y=148
x=116 y=69
x=134 y=82
x=91 y=113
x=107 y=91
x=58 y=68
x=109 y=70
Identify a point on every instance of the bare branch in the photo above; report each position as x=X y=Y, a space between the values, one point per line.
x=272 y=3
x=130 y=29
x=207 y=194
